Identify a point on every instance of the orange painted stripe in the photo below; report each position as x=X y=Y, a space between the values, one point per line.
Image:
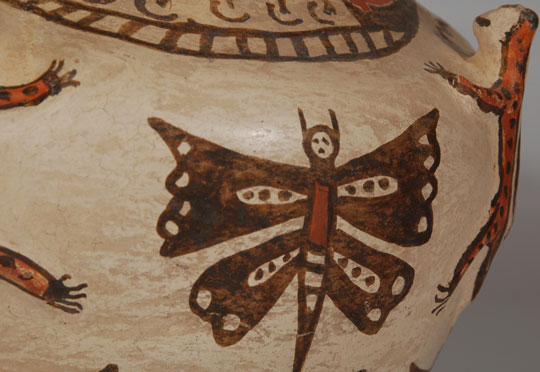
x=318 y=233
x=24 y=275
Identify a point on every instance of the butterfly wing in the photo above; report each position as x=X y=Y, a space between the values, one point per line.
x=365 y=284
x=388 y=192
x=219 y=194
x=237 y=292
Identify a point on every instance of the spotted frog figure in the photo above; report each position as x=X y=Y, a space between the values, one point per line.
x=30 y=277
x=35 y=92
x=503 y=99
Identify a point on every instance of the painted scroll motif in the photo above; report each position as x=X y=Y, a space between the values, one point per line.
x=314 y=30
x=219 y=195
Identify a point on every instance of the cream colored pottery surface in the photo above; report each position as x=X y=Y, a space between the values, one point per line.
x=83 y=185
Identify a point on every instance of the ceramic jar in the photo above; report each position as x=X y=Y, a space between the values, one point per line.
x=281 y=185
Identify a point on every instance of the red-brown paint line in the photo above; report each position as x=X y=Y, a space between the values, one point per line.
x=229 y=195
x=318 y=232
x=504 y=99
x=27 y=275
x=31 y=94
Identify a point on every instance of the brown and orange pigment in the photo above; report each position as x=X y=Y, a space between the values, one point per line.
x=219 y=195
x=31 y=94
x=503 y=99
x=28 y=276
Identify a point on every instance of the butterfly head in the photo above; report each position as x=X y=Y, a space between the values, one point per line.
x=321 y=143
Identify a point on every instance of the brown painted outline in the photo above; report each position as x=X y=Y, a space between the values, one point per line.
x=35 y=92
x=216 y=214
x=173 y=31
x=503 y=99
x=55 y=294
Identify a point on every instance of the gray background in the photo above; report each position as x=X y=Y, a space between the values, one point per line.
x=500 y=331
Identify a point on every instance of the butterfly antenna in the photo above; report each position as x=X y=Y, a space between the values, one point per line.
x=335 y=123
x=303 y=123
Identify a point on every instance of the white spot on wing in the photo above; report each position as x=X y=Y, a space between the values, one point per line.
x=398 y=286
x=360 y=275
x=268 y=269
x=374 y=315
x=422 y=225
x=172 y=228
x=231 y=322
x=427 y=191
x=424 y=140
x=204 y=298
x=267 y=195
x=186 y=207
x=183 y=181
x=184 y=148
x=429 y=162
x=373 y=187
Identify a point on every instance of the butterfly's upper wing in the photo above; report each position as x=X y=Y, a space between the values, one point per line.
x=388 y=192
x=237 y=292
x=219 y=194
x=365 y=284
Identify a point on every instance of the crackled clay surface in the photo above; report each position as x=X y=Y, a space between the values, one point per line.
x=239 y=185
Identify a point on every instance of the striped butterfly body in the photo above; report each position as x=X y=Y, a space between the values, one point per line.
x=220 y=194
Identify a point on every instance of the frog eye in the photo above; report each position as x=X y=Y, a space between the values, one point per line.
x=484 y=22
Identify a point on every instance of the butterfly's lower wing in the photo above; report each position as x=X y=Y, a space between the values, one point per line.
x=219 y=194
x=237 y=292
x=388 y=192
x=365 y=284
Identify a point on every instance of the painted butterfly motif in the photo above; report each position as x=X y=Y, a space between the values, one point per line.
x=219 y=195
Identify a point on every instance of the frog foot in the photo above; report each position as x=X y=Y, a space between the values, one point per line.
x=56 y=81
x=59 y=295
x=438 y=69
